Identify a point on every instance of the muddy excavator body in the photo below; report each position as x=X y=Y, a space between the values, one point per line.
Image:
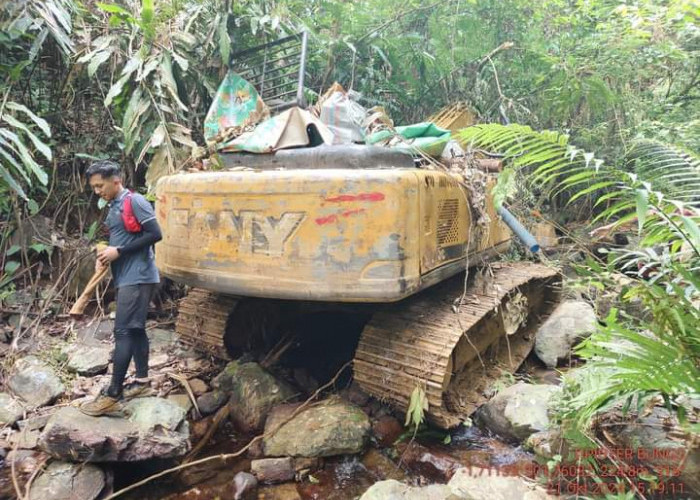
x=355 y=225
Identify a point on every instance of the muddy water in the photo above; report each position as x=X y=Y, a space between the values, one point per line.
x=425 y=460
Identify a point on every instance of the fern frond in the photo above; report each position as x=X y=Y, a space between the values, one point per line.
x=17 y=163
x=550 y=161
x=658 y=184
x=629 y=359
x=667 y=169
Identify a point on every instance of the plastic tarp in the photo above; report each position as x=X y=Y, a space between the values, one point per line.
x=425 y=137
x=236 y=104
x=287 y=130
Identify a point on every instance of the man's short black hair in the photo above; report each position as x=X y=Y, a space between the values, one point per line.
x=105 y=169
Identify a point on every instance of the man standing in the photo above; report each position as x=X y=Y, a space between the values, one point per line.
x=133 y=230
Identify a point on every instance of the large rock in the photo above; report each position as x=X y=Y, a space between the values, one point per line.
x=156 y=428
x=211 y=401
x=466 y=484
x=394 y=490
x=518 y=411
x=65 y=481
x=88 y=360
x=570 y=322
x=479 y=484
x=252 y=393
x=35 y=382
x=331 y=427
x=10 y=409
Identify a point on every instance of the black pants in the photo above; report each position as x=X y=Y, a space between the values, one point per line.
x=130 y=334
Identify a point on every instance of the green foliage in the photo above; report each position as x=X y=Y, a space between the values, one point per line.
x=418 y=405
x=669 y=169
x=660 y=190
x=631 y=358
x=26 y=26
x=17 y=160
x=150 y=67
x=604 y=73
x=634 y=360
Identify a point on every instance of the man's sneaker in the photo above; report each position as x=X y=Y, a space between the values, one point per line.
x=103 y=406
x=137 y=390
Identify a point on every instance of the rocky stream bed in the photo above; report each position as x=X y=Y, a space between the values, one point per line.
x=341 y=444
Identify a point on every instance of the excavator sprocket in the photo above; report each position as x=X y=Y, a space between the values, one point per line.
x=455 y=340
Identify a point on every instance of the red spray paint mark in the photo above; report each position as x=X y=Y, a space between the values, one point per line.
x=356 y=211
x=327 y=220
x=357 y=197
x=334 y=218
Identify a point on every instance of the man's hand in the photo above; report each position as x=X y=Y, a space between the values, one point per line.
x=107 y=255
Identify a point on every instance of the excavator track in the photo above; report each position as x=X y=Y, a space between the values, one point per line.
x=225 y=325
x=202 y=319
x=455 y=350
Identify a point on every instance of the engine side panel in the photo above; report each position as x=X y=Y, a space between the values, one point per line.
x=452 y=226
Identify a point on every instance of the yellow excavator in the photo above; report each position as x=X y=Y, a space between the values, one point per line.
x=277 y=235
x=369 y=227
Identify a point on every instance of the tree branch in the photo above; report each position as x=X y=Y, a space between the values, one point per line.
x=388 y=23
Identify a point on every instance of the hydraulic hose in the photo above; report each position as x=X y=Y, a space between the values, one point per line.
x=523 y=234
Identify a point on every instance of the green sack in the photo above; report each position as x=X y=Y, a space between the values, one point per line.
x=426 y=137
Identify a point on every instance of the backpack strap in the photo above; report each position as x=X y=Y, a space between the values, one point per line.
x=131 y=223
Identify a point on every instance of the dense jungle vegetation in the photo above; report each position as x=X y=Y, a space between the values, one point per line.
x=594 y=102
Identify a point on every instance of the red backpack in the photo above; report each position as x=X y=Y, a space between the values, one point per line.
x=131 y=223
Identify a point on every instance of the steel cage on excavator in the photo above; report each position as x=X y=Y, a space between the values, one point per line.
x=276 y=69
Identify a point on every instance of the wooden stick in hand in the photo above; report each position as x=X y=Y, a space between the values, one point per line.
x=79 y=306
